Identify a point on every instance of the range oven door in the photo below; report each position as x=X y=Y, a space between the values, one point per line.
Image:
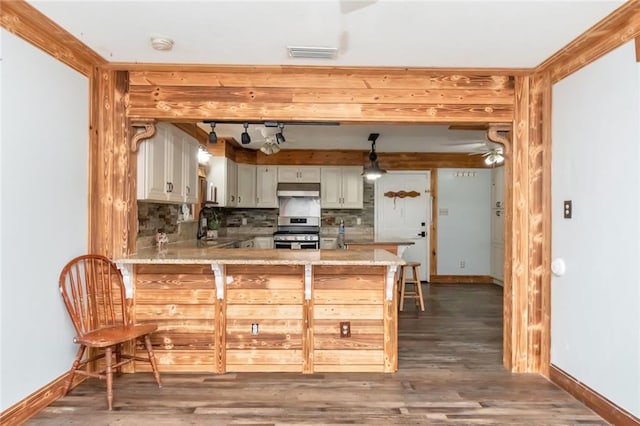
x=296 y=245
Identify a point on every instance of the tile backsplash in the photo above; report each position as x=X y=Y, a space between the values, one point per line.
x=154 y=217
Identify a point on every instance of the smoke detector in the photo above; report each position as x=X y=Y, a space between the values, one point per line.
x=161 y=43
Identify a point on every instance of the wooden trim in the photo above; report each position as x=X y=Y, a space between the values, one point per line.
x=433 y=238
x=164 y=67
x=25 y=21
x=592 y=399
x=461 y=279
x=621 y=26
x=23 y=410
x=637 y=43
x=149 y=129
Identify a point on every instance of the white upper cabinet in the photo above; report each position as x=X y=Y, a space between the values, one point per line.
x=222 y=178
x=341 y=187
x=266 y=186
x=299 y=174
x=246 y=185
x=190 y=166
x=168 y=166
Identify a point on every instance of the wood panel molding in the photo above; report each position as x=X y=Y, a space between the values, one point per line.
x=613 y=31
x=148 y=129
x=461 y=279
x=23 y=410
x=22 y=19
x=592 y=399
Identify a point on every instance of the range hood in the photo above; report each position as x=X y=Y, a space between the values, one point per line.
x=294 y=189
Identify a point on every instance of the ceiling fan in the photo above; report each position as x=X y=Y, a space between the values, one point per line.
x=272 y=138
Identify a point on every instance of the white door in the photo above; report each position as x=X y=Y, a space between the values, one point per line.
x=405 y=218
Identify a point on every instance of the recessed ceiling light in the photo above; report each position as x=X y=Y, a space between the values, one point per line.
x=161 y=43
x=312 y=52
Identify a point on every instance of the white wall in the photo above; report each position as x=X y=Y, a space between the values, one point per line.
x=464 y=232
x=595 y=314
x=44 y=199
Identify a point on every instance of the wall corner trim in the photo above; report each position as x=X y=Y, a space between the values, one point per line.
x=592 y=399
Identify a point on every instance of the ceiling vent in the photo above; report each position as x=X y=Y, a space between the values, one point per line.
x=312 y=52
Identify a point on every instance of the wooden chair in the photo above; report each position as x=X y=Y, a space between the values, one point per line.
x=416 y=293
x=94 y=294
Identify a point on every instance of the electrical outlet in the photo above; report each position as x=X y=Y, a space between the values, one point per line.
x=568 y=209
x=254 y=329
x=463 y=264
x=345 y=329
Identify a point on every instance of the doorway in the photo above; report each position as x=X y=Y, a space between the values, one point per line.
x=403 y=212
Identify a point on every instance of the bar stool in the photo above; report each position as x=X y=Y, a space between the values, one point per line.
x=415 y=280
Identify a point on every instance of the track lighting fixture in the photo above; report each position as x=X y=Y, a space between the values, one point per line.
x=280 y=136
x=373 y=171
x=245 y=138
x=213 y=138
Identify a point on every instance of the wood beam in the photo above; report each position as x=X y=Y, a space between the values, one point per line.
x=112 y=169
x=25 y=21
x=613 y=31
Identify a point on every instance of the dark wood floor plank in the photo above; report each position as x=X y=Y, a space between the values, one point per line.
x=450 y=372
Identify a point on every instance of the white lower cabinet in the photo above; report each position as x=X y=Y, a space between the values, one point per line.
x=263 y=242
x=266 y=186
x=341 y=187
x=328 y=243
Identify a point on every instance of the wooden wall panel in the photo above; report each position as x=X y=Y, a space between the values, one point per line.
x=270 y=297
x=181 y=300
x=400 y=95
x=361 y=303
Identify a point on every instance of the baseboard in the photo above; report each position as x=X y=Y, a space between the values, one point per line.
x=23 y=410
x=460 y=279
x=592 y=399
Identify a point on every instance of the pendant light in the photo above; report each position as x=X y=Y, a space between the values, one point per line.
x=373 y=171
x=213 y=138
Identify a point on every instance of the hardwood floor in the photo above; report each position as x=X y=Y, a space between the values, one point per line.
x=450 y=372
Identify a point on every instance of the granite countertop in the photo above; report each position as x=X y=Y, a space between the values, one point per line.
x=192 y=253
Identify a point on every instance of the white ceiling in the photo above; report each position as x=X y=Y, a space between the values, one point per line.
x=451 y=33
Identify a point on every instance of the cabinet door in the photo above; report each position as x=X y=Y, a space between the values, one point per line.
x=152 y=167
x=288 y=174
x=263 y=242
x=266 y=186
x=497 y=261
x=329 y=243
x=232 y=183
x=331 y=187
x=246 y=185
x=174 y=166
x=352 y=187
x=299 y=174
x=309 y=174
x=190 y=168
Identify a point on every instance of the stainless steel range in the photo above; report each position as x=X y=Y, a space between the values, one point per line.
x=298 y=216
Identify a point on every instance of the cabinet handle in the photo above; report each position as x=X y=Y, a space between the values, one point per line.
x=169 y=187
x=239 y=199
x=188 y=190
x=233 y=198
x=498 y=204
x=497 y=212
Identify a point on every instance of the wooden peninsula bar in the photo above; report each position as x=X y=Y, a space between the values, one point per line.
x=266 y=310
